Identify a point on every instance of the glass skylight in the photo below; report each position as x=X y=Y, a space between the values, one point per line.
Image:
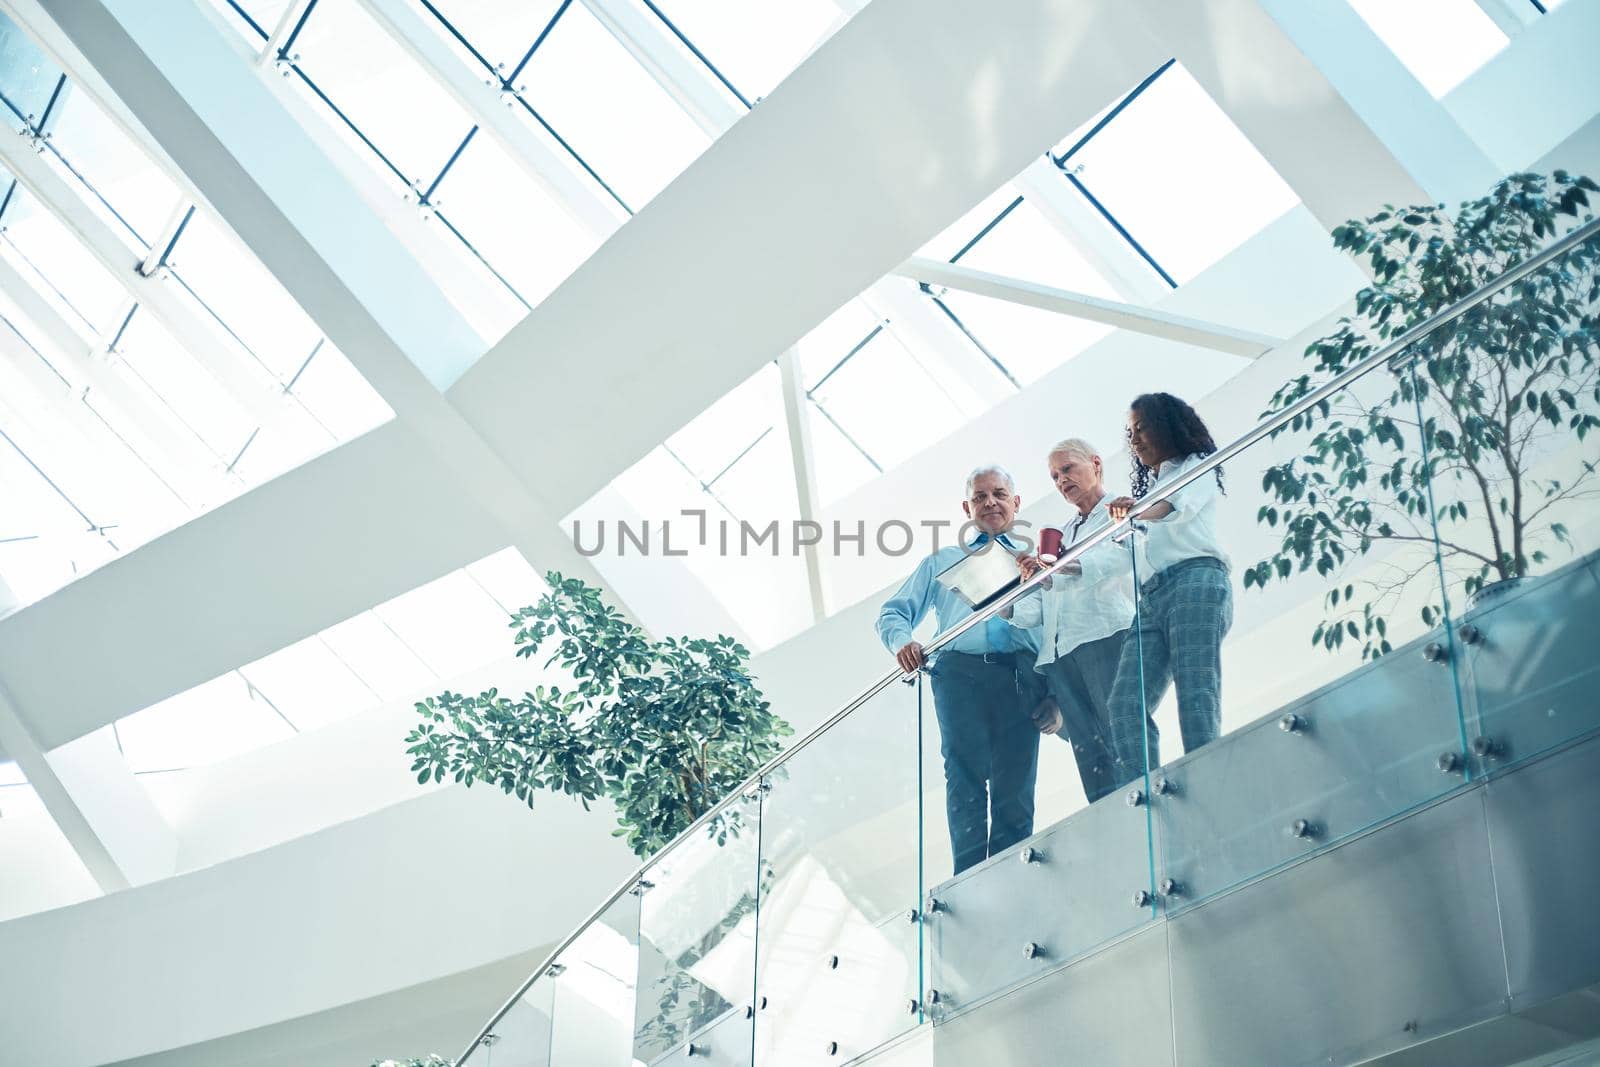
x=604 y=104
x=406 y=648
x=102 y=470
x=1440 y=41
x=1179 y=177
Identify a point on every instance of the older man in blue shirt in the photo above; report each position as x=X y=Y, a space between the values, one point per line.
x=983 y=683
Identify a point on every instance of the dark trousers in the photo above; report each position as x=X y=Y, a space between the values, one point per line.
x=990 y=748
x=1081 y=683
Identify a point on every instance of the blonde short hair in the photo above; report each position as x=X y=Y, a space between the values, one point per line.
x=1076 y=447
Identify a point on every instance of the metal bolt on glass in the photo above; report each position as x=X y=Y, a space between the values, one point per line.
x=833 y=963
x=1291 y=723
x=1469 y=634
x=912 y=915
x=833 y=1048
x=1135 y=798
x=933 y=996
x=1302 y=828
x=1434 y=652
x=1030 y=855
x=695 y=1050
x=935 y=905
x=1141 y=898
x=912 y=1006
x=1485 y=747
x=1171 y=888
x=556 y=970
x=1450 y=762
x=1162 y=787
x=1030 y=950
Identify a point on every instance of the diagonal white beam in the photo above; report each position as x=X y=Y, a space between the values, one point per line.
x=887 y=133
x=530 y=146
x=244 y=379
x=317 y=545
x=1094 y=309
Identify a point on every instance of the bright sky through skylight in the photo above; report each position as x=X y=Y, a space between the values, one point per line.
x=1440 y=41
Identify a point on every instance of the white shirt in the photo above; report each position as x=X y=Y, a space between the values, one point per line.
x=1079 y=608
x=1191 y=530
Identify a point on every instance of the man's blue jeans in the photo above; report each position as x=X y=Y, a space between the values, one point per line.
x=990 y=748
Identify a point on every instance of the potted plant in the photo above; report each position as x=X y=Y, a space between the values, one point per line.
x=1450 y=455
x=664 y=729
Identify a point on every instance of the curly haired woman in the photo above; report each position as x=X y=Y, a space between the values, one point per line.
x=1185 y=594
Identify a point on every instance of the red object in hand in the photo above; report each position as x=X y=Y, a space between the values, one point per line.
x=1049 y=544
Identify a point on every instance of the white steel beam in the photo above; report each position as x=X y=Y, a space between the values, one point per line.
x=535 y=151
x=240 y=375
x=685 y=78
x=805 y=472
x=1044 y=188
x=886 y=104
x=319 y=544
x=1092 y=308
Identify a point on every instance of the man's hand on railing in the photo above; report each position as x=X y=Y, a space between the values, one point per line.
x=910 y=657
x=1029 y=566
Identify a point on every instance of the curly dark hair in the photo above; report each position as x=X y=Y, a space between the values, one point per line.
x=1176 y=428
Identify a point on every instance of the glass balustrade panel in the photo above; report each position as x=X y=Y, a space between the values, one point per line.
x=521 y=1036
x=696 y=946
x=596 y=990
x=838 y=937
x=1296 y=665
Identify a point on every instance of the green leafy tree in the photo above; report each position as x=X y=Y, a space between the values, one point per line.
x=1469 y=411
x=664 y=729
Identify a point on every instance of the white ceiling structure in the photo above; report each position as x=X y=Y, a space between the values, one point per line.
x=321 y=320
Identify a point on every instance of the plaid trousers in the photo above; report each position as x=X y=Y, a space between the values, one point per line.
x=1184 y=612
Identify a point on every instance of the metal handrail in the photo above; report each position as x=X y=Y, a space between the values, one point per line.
x=1110 y=531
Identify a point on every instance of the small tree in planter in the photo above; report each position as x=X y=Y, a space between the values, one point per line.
x=664 y=729
x=1505 y=385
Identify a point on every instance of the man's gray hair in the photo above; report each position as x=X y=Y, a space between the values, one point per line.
x=991 y=468
x=1076 y=447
